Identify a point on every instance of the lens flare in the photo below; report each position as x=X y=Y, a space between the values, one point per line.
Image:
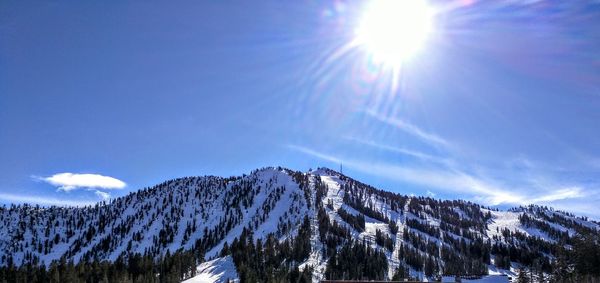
x=393 y=30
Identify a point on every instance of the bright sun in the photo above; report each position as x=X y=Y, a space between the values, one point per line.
x=393 y=30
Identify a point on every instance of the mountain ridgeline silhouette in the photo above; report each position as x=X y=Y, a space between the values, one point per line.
x=276 y=224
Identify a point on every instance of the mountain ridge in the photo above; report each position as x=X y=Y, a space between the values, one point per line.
x=422 y=235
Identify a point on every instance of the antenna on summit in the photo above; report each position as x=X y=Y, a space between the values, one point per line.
x=341 y=172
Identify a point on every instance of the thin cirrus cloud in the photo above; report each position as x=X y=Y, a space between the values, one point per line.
x=451 y=175
x=484 y=190
x=413 y=130
x=537 y=188
x=425 y=177
x=72 y=181
x=561 y=194
x=401 y=150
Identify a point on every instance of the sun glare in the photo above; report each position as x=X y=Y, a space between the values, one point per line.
x=393 y=30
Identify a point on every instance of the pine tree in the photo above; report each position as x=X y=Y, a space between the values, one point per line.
x=522 y=276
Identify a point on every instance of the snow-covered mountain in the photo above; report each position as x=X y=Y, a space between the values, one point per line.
x=334 y=215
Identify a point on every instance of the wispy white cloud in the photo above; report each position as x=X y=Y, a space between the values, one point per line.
x=71 y=181
x=455 y=181
x=413 y=130
x=314 y=153
x=42 y=200
x=561 y=194
x=409 y=152
x=484 y=190
x=520 y=181
x=522 y=184
x=102 y=195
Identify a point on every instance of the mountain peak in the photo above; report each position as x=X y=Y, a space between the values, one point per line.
x=210 y=214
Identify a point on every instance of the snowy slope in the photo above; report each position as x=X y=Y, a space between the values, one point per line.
x=209 y=211
x=219 y=270
x=176 y=214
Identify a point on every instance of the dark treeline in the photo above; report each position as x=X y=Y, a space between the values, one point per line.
x=271 y=260
x=556 y=234
x=357 y=261
x=383 y=240
x=356 y=202
x=356 y=221
x=354 y=192
x=136 y=268
x=348 y=258
x=579 y=264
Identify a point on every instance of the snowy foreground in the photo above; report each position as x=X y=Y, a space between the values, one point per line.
x=217 y=270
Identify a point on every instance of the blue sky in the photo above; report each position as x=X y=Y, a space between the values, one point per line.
x=501 y=105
